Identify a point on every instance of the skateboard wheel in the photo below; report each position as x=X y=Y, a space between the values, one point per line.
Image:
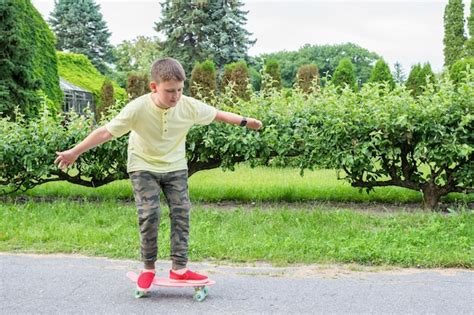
x=199 y=296
x=139 y=294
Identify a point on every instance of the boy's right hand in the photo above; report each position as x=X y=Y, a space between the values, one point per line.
x=66 y=158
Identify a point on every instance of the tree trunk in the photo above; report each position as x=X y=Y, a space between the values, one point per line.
x=431 y=196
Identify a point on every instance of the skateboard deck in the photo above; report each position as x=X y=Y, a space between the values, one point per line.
x=201 y=289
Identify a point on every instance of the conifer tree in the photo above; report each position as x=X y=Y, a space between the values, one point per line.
x=470 y=28
x=419 y=77
x=271 y=69
x=200 y=30
x=307 y=76
x=398 y=73
x=80 y=28
x=381 y=73
x=454 y=37
x=203 y=80
x=237 y=74
x=345 y=74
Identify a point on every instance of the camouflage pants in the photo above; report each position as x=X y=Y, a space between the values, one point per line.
x=146 y=189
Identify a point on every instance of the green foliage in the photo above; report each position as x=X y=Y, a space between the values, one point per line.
x=307 y=78
x=418 y=78
x=460 y=69
x=80 y=28
x=381 y=74
x=137 y=85
x=345 y=75
x=203 y=83
x=203 y=30
x=277 y=235
x=454 y=36
x=377 y=136
x=398 y=74
x=237 y=77
x=255 y=79
x=135 y=56
x=106 y=97
x=272 y=75
x=326 y=57
x=78 y=70
x=469 y=45
x=27 y=59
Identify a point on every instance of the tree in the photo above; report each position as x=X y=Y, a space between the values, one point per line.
x=237 y=74
x=307 y=78
x=107 y=98
x=398 y=74
x=345 y=75
x=28 y=61
x=135 y=56
x=460 y=69
x=272 y=75
x=419 y=77
x=203 y=80
x=470 y=27
x=454 y=37
x=137 y=85
x=327 y=57
x=80 y=28
x=381 y=74
x=200 y=30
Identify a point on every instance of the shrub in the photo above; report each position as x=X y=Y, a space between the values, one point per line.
x=203 y=82
x=237 y=76
x=307 y=78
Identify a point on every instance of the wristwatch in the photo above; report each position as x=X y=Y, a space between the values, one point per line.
x=243 y=123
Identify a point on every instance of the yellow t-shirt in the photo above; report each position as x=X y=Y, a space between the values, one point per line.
x=157 y=138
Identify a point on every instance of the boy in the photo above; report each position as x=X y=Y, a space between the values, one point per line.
x=159 y=122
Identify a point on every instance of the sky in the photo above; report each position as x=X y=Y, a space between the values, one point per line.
x=406 y=31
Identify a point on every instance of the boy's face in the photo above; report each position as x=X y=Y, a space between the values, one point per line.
x=167 y=93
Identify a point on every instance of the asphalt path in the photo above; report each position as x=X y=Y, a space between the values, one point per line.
x=68 y=284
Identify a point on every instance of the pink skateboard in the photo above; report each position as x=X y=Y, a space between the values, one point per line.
x=200 y=289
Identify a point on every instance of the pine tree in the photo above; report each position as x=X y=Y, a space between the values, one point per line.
x=381 y=73
x=203 y=80
x=398 y=73
x=470 y=27
x=204 y=29
x=419 y=77
x=237 y=74
x=272 y=75
x=80 y=28
x=345 y=74
x=307 y=77
x=454 y=37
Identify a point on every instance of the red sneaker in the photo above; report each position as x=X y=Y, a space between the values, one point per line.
x=188 y=277
x=145 y=279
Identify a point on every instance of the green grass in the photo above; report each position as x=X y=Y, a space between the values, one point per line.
x=278 y=236
x=253 y=184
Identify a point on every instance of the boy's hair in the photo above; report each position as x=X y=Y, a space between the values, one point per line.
x=167 y=69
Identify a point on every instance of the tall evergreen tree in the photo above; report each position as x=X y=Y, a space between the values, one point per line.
x=80 y=28
x=345 y=74
x=470 y=29
x=381 y=73
x=398 y=73
x=204 y=29
x=271 y=69
x=203 y=80
x=419 y=77
x=454 y=37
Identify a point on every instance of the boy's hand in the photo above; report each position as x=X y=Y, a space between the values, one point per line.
x=254 y=124
x=66 y=158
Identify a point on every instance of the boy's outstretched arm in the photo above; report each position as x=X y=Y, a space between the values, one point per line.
x=235 y=119
x=95 y=138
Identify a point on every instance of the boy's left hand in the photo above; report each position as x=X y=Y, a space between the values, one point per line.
x=254 y=124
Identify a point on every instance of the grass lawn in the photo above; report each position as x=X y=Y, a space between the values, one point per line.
x=271 y=217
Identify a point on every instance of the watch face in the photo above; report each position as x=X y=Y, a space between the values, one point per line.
x=243 y=123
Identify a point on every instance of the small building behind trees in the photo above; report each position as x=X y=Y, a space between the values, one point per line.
x=76 y=99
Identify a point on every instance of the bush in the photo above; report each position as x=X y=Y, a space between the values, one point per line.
x=460 y=69
x=345 y=75
x=203 y=83
x=419 y=78
x=307 y=78
x=237 y=76
x=381 y=74
x=272 y=75
x=27 y=60
x=137 y=85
